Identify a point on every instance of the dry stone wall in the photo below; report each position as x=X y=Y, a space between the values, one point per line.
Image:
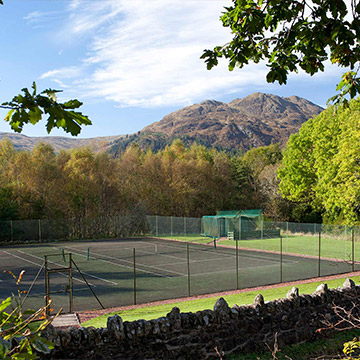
x=197 y=335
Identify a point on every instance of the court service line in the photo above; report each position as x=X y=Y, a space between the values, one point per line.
x=161 y=254
x=128 y=266
x=21 y=258
x=31 y=262
x=129 y=262
x=195 y=247
x=94 y=276
x=147 y=250
x=232 y=271
x=107 y=261
x=225 y=254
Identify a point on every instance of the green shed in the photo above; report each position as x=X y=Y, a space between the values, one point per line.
x=242 y=224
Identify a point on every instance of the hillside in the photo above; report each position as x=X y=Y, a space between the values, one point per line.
x=256 y=120
x=23 y=142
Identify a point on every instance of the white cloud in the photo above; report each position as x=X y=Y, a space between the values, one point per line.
x=64 y=73
x=146 y=53
x=33 y=16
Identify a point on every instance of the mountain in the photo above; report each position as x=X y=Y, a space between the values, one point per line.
x=23 y=142
x=256 y=120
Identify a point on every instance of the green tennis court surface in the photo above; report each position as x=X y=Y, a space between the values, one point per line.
x=162 y=270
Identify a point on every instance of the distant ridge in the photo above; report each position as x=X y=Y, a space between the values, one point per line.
x=23 y=142
x=256 y=120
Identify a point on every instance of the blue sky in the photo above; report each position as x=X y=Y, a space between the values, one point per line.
x=130 y=62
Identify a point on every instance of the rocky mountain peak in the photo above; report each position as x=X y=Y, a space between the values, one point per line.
x=256 y=120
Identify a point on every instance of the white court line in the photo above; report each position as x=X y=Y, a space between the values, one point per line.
x=61 y=265
x=74 y=290
x=226 y=254
x=31 y=262
x=127 y=266
x=153 y=247
x=130 y=262
x=272 y=262
x=161 y=254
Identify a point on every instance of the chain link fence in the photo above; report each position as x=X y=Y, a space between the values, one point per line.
x=141 y=265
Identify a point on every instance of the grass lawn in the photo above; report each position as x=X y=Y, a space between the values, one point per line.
x=296 y=244
x=325 y=349
x=153 y=312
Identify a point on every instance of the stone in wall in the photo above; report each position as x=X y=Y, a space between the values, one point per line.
x=200 y=335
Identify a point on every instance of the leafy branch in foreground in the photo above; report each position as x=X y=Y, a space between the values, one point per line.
x=20 y=330
x=29 y=107
x=291 y=35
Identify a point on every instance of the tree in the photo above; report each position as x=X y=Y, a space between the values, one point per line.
x=29 y=108
x=292 y=35
x=321 y=165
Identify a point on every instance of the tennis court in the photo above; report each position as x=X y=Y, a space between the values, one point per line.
x=145 y=269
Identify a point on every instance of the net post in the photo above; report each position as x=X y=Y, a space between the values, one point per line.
x=71 y=299
x=188 y=267
x=352 y=250
x=214 y=242
x=88 y=254
x=281 y=265
x=319 y=255
x=237 y=264
x=63 y=255
x=47 y=287
x=134 y=260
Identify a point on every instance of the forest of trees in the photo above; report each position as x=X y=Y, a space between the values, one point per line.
x=315 y=178
x=177 y=181
x=321 y=166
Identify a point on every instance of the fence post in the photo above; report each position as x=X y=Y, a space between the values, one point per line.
x=287 y=239
x=11 y=231
x=39 y=226
x=345 y=254
x=171 y=225
x=134 y=260
x=71 y=300
x=188 y=267
x=281 y=269
x=240 y=234
x=237 y=264
x=319 y=252
x=156 y=225
x=47 y=287
x=352 y=250
x=184 y=226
